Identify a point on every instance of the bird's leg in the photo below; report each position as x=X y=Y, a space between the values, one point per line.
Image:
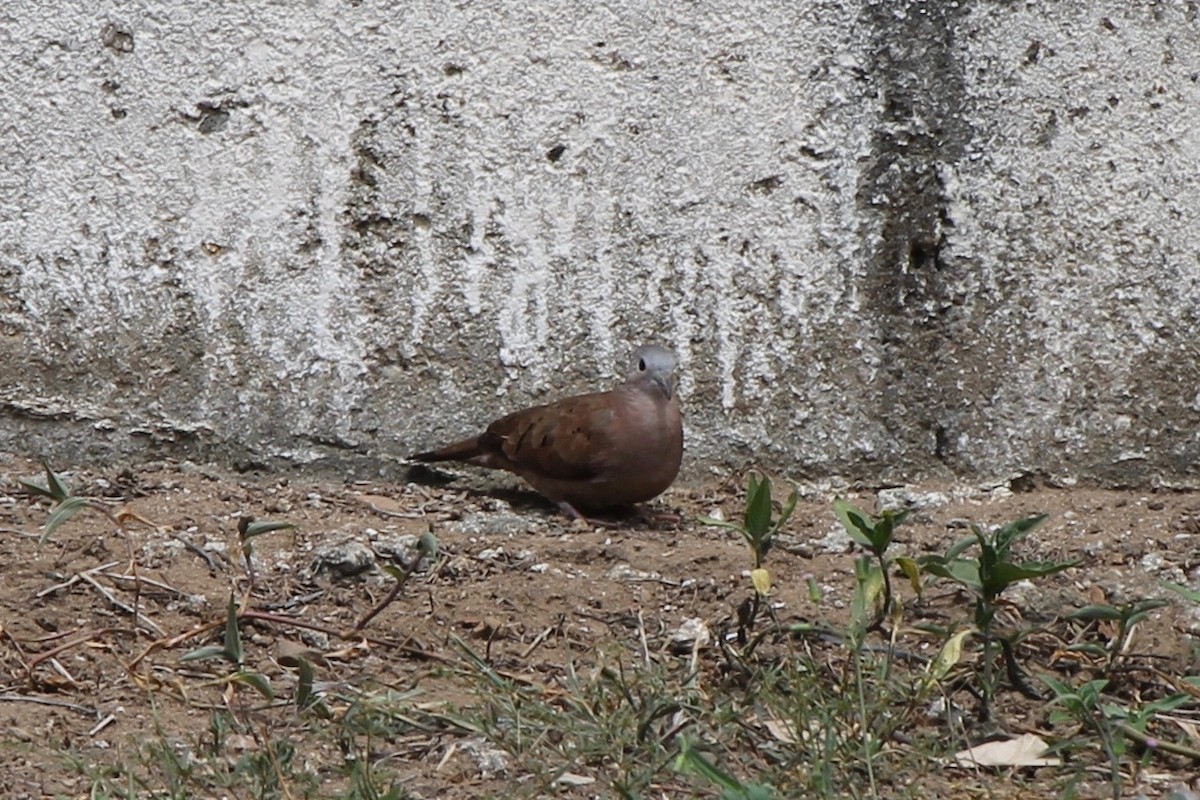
x=574 y=514
x=652 y=517
x=647 y=515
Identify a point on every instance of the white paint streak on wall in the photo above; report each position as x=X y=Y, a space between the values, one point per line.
x=428 y=290
x=683 y=325
x=480 y=257
x=522 y=322
x=719 y=270
x=602 y=289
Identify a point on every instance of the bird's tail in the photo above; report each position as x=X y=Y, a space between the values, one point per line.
x=465 y=450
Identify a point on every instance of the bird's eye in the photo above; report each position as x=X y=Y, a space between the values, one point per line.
x=641 y=365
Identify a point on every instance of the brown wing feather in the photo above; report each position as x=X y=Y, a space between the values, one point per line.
x=567 y=439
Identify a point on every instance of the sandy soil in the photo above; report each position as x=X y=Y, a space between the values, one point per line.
x=525 y=587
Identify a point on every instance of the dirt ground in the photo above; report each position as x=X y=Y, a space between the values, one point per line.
x=526 y=588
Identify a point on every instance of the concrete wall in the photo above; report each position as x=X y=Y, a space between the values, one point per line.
x=889 y=240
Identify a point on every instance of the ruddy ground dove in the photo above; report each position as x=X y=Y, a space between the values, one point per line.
x=591 y=451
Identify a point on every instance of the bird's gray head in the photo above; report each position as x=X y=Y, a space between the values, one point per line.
x=654 y=365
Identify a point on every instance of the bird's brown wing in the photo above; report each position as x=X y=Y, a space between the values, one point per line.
x=567 y=440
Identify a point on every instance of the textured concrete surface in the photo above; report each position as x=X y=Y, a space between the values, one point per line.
x=887 y=239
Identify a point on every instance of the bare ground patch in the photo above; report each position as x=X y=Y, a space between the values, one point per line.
x=535 y=657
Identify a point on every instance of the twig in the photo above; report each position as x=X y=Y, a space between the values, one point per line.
x=52 y=589
x=409 y=568
x=87 y=637
x=450 y=751
x=359 y=501
x=49 y=637
x=18 y=532
x=642 y=638
x=203 y=554
x=72 y=580
x=298 y=600
x=45 y=701
x=537 y=642
x=102 y=724
x=138 y=619
x=243 y=529
x=118 y=523
x=62 y=671
x=1154 y=743
x=149 y=581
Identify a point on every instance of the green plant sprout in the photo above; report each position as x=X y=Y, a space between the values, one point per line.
x=758 y=527
x=1126 y=617
x=873 y=586
x=986 y=577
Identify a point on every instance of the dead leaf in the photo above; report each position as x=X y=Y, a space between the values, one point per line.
x=949 y=656
x=126 y=514
x=783 y=731
x=1190 y=729
x=288 y=653
x=386 y=506
x=761 y=580
x=1024 y=751
x=571 y=779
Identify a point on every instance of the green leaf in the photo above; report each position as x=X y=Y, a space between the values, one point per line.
x=56 y=488
x=59 y=489
x=814 y=589
x=233 y=638
x=479 y=664
x=949 y=656
x=1006 y=535
x=963 y=544
x=1169 y=703
x=304 y=685
x=1185 y=592
x=786 y=512
x=259 y=527
x=1096 y=612
x=988 y=557
x=36 y=488
x=1141 y=607
x=909 y=567
x=758 y=508
x=204 y=653
x=720 y=523
x=1005 y=574
x=395 y=572
x=855 y=521
x=256 y=681
x=692 y=761
x=428 y=544
x=961 y=570
x=66 y=509
x=868 y=589
x=1087 y=647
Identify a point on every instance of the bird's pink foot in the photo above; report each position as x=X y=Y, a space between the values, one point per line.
x=574 y=514
x=652 y=517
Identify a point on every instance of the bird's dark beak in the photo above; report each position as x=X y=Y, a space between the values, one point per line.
x=665 y=384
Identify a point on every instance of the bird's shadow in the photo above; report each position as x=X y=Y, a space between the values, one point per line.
x=521 y=500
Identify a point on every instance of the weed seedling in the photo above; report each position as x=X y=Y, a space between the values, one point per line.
x=1124 y=617
x=986 y=577
x=875 y=535
x=758 y=529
